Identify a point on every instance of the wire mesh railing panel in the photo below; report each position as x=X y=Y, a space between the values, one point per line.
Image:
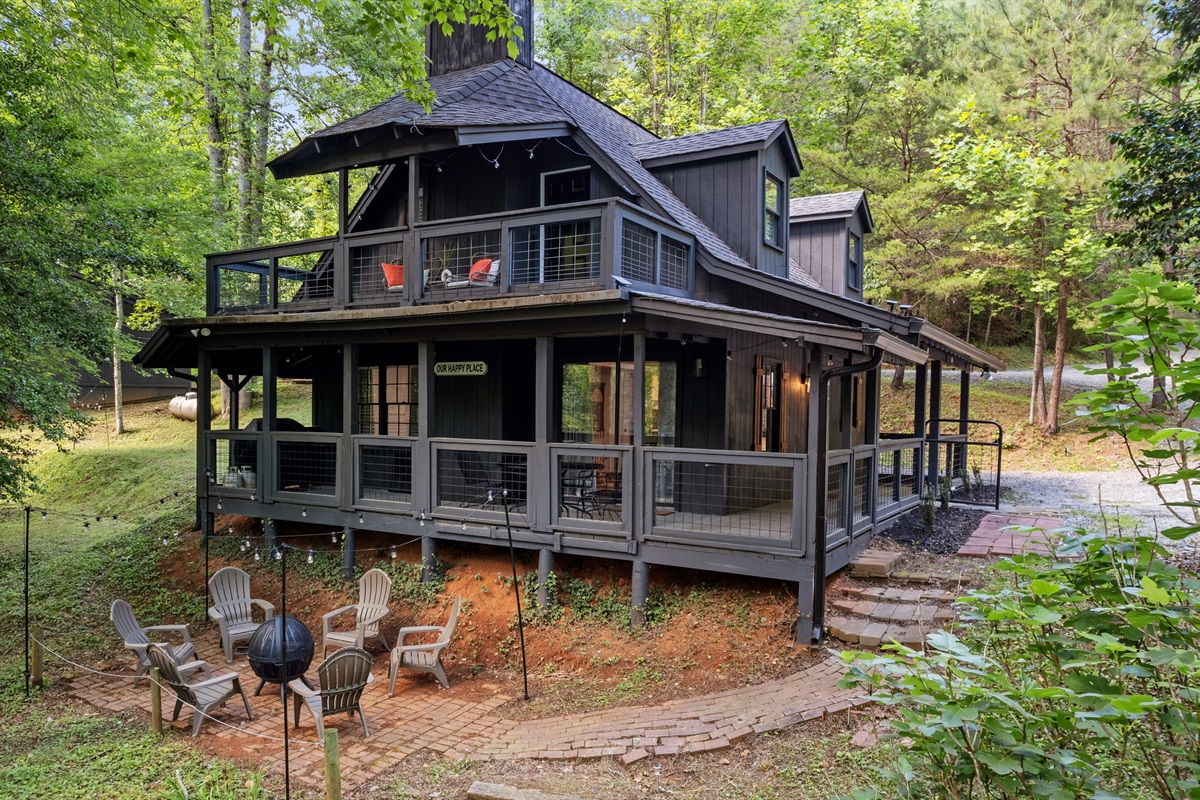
x=591 y=487
x=306 y=466
x=862 y=488
x=463 y=262
x=748 y=501
x=385 y=472
x=306 y=278
x=557 y=252
x=908 y=461
x=233 y=460
x=637 y=252
x=673 y=263
x=835 y=498
x=243 y=287
x=377 y=272
x=887 y=483
x=469 y=478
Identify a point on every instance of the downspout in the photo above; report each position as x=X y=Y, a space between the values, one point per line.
x=186 y=376
x=822 y=467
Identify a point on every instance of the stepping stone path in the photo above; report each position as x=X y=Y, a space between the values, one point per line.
x=994 y=537
x=870 y=616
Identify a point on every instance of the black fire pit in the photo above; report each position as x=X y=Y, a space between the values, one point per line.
x=266 y=658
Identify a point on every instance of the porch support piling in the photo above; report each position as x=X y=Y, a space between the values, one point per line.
x=545 y=567
x=428 y=558
x=348 y=549
x=270 y=535
x=964 y=414
x=640 y=591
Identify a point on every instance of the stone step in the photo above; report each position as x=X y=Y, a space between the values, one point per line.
x=875 y=563
x=892 y=612
x=896 y=594
x=870 y=633
x=951 y=578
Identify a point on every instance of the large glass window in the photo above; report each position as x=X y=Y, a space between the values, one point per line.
x=592 y=413
x=387 y=400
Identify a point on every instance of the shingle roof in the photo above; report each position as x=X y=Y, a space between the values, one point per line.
x=798 y=274
x=708 y=140
x=825 y=204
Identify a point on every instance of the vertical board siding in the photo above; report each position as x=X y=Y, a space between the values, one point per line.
x=725 y=193
x=820 y=248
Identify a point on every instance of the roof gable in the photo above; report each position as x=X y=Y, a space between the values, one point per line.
x=714 y=144
x=837 y=205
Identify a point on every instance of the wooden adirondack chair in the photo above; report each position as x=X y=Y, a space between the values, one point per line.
x=203 y=696
x=136 y=637
x=342 y=678
x=233 y=608
x=374 y=591
x=423 y=657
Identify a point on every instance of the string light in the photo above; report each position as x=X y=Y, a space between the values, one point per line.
x=333 y=536
x=253 y=496
x=165 y=540
x=257 y=557
x=278 y=554
x=310 y=558
x=304 y=512
x=43 y=516
x=393 y=552
x=464 y=523
x=360 y=518
x=219 y=506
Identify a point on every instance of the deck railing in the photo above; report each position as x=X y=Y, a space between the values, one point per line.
x=468 y=480
x=573 y=247
x=735 y=500
x=383 y=472
x=898 y=485
x=590 y=489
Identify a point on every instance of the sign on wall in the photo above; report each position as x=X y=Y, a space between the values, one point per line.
x=458 y=369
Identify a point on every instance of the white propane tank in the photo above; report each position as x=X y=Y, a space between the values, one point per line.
x=185 y=407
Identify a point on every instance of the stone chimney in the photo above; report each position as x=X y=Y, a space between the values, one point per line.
x=469 y=47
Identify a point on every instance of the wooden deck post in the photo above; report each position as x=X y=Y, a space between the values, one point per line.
x=428 y=558
x=333 y=766
x=155 y=702
x=935 y=412
x=38 y=656
x=641 y=591
x=348 y=551
x=545 y=566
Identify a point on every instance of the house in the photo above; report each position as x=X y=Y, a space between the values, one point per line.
x=534 y=310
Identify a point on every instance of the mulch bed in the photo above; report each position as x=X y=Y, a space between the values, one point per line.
x=950 y=529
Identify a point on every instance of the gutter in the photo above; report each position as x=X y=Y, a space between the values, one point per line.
x=822 y=467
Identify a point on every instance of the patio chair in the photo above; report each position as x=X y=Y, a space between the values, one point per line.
x=374 y=591
x=136 y=638
x=203 y=696
x=233 y=608
x=484 y=271
x=423 y=657
x=342 y=678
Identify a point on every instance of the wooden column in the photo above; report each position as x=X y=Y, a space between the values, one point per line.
x=805 y=597
x=542 y=469
x=345 y=467
x=935 y=412
x=206 y=472
x=267 y=479
x=964 y=414
x=422 y=458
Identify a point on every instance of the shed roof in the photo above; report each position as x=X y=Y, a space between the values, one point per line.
x=717 y=143
x=835 y=205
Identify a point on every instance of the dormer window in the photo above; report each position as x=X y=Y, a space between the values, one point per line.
x=854 y=263
x=774 y=198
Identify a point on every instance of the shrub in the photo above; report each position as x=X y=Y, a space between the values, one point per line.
x=1077 y=679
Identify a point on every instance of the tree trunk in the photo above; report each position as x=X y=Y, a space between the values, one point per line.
x=262 y=122
x=1037 y=389
x=1109 y=361
x=216 y=135
x=118 y=388
x=1060 y=359
x=244 y=112
x=898 y=377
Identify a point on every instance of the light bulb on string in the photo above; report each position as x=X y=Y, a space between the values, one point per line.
x=257 y=557
x=333 y=536
x=245 y=545
x=304 y=512
x=310 y=555
x=253 y=496
x=278 y=554
x=360 y=518
x=165 y=541
x=43 y=516
x=421 y=521
x=464 y=523
x=393 y=551
x=219 y=506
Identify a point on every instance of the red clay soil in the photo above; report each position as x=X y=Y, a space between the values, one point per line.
x=721 y=631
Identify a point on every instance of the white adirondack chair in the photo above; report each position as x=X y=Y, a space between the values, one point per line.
x=374 y=591
x=233 y=608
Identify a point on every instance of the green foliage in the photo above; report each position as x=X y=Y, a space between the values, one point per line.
x=1155 y=335
x=1077 y=680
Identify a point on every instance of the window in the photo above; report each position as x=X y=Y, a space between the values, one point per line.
x=387 y=400
x=773 y=199
x=766 y=412
x=854 y=263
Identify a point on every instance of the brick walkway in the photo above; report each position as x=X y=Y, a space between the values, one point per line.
x=422 y=716
x=991 y=538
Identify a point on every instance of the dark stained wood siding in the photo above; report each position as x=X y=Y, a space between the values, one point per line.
x=773 y=260
x=493 y=406
x=725 y=193
x=469 y=47
x=820 y=248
